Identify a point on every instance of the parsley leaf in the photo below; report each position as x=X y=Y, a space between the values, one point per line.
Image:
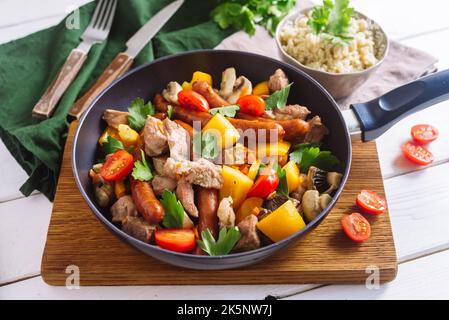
x=170 y=111
x=205 y=145
x=278 y=99
x=112 y=145
x=307 y=155
x=282 y=188
x=174 y=211
x=246 y=14
x=332 y=20
x=227 y=238
x=138 y=113
x=141 y=170
x=229 y=111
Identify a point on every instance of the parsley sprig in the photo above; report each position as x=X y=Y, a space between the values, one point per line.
x=112 y=145
x=306 y=155
x=142 y=170
x=246 y=14
x=331 y=20
x=227 y=238
x=278 y=99
x=138 y=113
x=228 y=111
x=174 y=211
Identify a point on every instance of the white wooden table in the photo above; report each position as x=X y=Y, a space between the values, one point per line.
x=418 y=197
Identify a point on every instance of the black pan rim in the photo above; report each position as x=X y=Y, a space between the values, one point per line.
x=309 y=227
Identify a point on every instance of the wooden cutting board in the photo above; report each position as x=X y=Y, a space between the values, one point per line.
x=326 y=255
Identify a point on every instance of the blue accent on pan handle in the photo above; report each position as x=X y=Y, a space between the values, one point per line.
x=380 y=114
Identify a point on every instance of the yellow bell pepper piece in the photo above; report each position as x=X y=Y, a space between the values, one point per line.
x=225 y=132
x=127 y=135
x=186 y=85
x=109 y=131
x=261 y=89
x=119 y=189
x=236 y=185
x=254 y=169
x=293 y=176
x=276 y=149
x=247 y=208
x=198 y=75
x=282 y=223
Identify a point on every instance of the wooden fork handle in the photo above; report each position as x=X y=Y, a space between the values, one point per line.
x=47 y=103
x=121 y=63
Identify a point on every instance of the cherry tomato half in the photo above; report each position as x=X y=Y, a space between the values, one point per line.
x=371 y=202
x=179 y=240
x=252 y=104
x=356 y=227
x=266 y=183
x=190 y=99
x=117 y=166
x=424 y=133
x=417 y=154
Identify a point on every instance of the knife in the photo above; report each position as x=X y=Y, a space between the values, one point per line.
x=123 y=61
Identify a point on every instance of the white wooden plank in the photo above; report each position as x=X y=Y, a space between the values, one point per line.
x=35 y=288
x=23 y=230
x=12 y=174
x=425 y=278
x=15 y=12
x=418 y=209
x=391 y=160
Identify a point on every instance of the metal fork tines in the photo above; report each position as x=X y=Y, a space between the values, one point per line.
x=100 y=24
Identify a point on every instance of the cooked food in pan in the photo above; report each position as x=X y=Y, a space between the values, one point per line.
x=214 y=171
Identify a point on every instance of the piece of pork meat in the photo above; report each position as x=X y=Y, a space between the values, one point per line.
x=178 y=140
x=225 y=213
x=158 y=164
x=292 y=111
x=185 y=194
x=278 y=80
x=155 y=141
x=199 y=172
x=123 y=208
x=249 y=238
x=114 y=118
x=138 y=228
x=162 y=183
x=317 y=131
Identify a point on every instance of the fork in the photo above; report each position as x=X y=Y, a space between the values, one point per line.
x=96 y=32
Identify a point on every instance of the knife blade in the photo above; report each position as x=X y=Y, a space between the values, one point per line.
x=123 y=61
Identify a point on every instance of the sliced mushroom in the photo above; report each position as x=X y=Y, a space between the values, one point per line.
x=325 y=199
x=334 y=180
x=311 y=204
x=104 y=193
x=228 y=78
x=299 y=192
x=317 y=179
x=241 y=84
x=171 y=92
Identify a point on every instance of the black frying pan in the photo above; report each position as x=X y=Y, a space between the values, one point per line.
x=367 y=120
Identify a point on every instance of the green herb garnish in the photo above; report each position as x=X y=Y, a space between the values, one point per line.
x=282 y=188
x=138 y=113
x=174 y=211
x=112 y=145
x=228 y=111
x=278 y=99
x=170 y=111
x=227 y=238
x=142 y=170
x=205 y=145
x=246 y=14
x=306 y=155
x=332 y=20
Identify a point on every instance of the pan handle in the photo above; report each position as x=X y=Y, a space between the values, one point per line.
x=378 y=115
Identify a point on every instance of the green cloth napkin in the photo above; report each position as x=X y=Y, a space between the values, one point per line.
x=28 y=65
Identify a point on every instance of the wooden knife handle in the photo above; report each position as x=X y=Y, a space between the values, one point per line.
x=47 y=103
x=121 y=63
